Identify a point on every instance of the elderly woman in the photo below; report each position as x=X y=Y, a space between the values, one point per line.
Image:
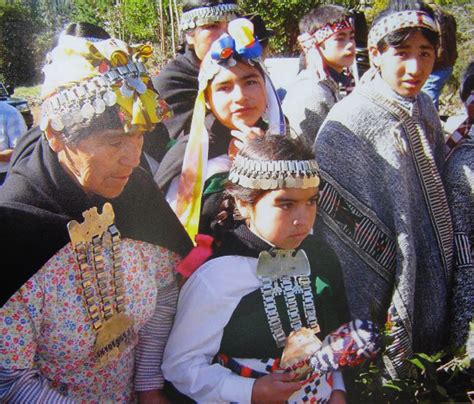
x=88 y=306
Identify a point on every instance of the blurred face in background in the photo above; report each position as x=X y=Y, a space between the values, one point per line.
x=201 y=38
x=339 y=49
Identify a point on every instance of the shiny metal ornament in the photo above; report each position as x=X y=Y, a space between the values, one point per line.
x=57 y=123
x=109 y=98
x=44 y=122
x=87 y=111
x=126 y=91
x=99 y=106
x=137 y=84
x=76 y=115
x=278 y=263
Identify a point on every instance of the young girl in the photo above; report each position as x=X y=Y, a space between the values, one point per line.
x=237 y=309
x=234 y=95
x=383 y=205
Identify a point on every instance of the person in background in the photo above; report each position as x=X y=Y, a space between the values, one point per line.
x=459 y=181
x=383 y=205
x=202 y=22
x=86 y=311
x=446 y=56
x=12 y=126
x=236 y=100
x=327 y=39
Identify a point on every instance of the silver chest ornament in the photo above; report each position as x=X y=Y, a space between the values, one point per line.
x=287 y=272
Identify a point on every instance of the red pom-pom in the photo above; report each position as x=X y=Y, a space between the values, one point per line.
x=197 y=256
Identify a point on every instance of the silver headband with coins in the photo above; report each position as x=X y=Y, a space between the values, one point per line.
x=274 y=174
x=400 y=20
x=91 y=97
x=198 y=17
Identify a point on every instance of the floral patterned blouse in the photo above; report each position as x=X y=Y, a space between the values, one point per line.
x=47 y=339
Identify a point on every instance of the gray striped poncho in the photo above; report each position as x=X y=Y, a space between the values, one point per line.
x=383 y=210
x=459 y=179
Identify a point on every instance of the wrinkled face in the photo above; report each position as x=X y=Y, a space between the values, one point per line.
x=102 y=162
x=237 y=95
x=283 y=217
x=339 y=50
x=201 y=38
x=406 y=67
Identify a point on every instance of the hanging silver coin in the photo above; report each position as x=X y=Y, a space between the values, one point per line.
x=87 y=111
x=76 y=115
x=99 y=106
x=57 y=123
x=44 y=122
x=231 y=62
x=126 y=91
x=109 y=98
x=138 y=85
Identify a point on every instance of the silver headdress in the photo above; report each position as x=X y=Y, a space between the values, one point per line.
x=274 y=174
x=208 y=15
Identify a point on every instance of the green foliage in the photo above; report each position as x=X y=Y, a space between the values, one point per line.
x=446 y=376
x=283 y=17
x=140 y=20
x=18 y=28
x=92 y=11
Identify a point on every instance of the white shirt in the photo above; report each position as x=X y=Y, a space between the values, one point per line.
x=206 y=303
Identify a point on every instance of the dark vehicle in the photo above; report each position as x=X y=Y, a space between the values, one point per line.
x=19 y=103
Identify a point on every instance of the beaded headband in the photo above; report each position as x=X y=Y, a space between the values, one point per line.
x=308 y=41
x=400 y=20
x=198 y=17
x=85 y=77
x=274 y=174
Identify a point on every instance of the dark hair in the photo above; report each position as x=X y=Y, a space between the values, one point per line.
x=260 y=29
x=109 y=119
x=396 y=38
x=86 y=30
x=266 y=148
x=320 y=16
x=467 y=82
x=192 y=4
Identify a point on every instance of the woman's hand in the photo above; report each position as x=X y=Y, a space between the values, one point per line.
x=152 y=397
x=337 y=397
x=274 y=388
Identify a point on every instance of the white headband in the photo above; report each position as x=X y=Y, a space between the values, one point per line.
x=400 y=20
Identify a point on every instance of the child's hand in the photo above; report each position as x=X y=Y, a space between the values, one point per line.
x=337 y=397
x=152 y=397
x=274 y=388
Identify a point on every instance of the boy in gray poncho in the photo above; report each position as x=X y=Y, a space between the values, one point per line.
x=383 y=205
